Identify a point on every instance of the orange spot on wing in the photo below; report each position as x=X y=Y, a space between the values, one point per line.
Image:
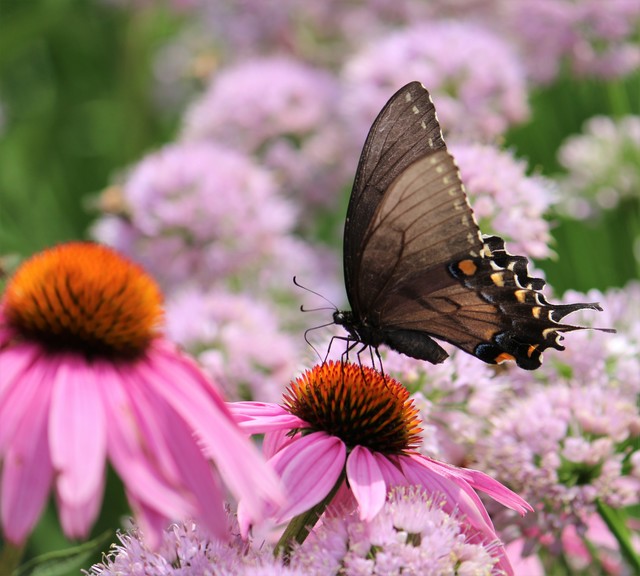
x=497 y=279
x=467 y=267
x=503 y=358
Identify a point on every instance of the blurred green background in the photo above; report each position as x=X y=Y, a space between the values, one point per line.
x=76 y=94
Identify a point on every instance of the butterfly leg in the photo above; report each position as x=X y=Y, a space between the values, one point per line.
x=344 y=357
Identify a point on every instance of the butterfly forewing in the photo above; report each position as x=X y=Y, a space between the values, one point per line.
x=422 y=223
x=405 y=130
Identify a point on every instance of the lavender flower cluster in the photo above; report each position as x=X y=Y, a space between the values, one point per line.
x=602 y=166
x=246 y=197
x=411 y=534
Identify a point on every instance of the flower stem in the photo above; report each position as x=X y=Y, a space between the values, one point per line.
x=10 y=557
x=298 y=529
x=614 y=519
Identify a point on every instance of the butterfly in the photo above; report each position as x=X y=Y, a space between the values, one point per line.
x=416 y=266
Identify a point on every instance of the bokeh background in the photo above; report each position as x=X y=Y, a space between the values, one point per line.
x=91 y=91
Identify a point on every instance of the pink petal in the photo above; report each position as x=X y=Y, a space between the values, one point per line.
x=27 y=473
x=141 y=477
x=197 y=474
x=499 y=492
x=19 y=394
x=176 y=456
x=14 y=361
x=239 y=462
x=151 y=523
x=480 y=481
x=77 y=433
x=458 y=494
x=77 y=518
x=343 y=503
x=273 y=442
x=152 y=416
x=391 y=471
x=260 y=417
x=366 y=481
x=309 y=468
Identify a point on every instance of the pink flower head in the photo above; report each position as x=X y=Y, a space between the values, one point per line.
x=474 y=76
x=567 y=446
x=345 y=420
x=283 y=111
x=601 y=164
x=505 y=199
x=412 y=534
x=88 y=377
x=595 y=38
x=187 y=207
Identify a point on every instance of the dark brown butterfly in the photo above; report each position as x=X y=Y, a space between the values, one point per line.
x=415 y=263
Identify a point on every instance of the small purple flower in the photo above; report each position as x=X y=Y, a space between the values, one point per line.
x=474 y=77
x=283 y=111
x=505 y=200
x=564 y=447
x=187 y=550
x=602 y=165
x=412 y=534
x=597 y=38
x=456 y=400
x=201 y=210
x=237 y=339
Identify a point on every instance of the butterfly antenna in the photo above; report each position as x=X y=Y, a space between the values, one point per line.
x=306 y=339
x=303 y=309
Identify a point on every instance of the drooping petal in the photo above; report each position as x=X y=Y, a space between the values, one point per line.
x=196 y=474
x=27 y=473
x=151 y=415
x=261 y=417
x=366 y=481
x=19 y=392
x=458 y=494
x=239 y=462
x=343 y=502
x=76 y=517
x=77 y=433
x=141 y=477
x=151 y=522
x=479 y=481
x=500 y=493
x=14 y=361
x=273 y=442
x=391 y=473
x=309 y=468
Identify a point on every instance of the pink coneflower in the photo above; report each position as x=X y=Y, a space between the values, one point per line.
x=86 y=377
x=344 y=422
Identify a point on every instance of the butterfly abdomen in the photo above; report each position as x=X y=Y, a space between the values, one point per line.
x=413 y=343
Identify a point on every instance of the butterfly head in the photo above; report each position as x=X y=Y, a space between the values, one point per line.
x=345 y=318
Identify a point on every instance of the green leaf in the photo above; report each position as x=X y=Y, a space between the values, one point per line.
x=61 y=562
x=616 y=521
